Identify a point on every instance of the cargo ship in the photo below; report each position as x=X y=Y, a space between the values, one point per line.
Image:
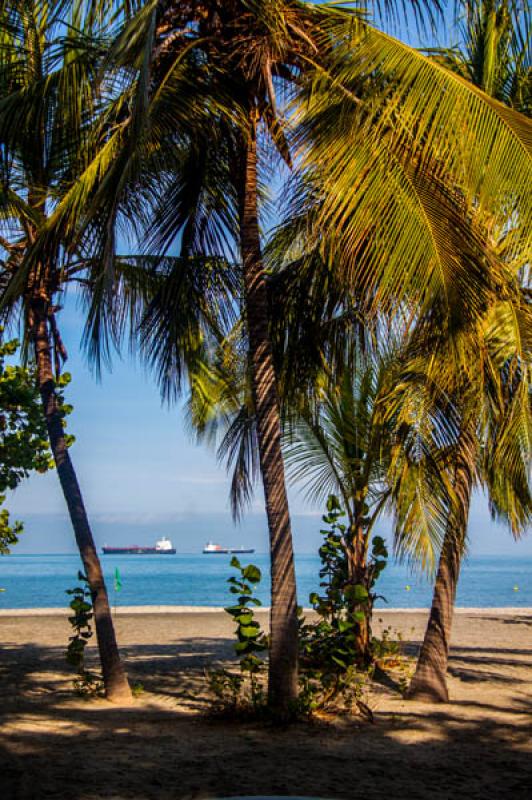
x=211 y=547
x=163 y=547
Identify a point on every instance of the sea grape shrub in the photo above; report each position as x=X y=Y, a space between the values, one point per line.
x=334 y=672
x=251 y=638
x=243 y=692
x=23 y=437
x=87 y=684
x=331 y=675
x=81 y=605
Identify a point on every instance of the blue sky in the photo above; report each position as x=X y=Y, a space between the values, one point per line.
x=142 y=475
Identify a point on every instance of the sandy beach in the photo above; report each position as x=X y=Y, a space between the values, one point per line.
x=56 y=745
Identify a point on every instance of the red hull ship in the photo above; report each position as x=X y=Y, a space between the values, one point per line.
x=162 y=548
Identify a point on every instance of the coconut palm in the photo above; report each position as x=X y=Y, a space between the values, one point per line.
x=202 y=95
x=496 y=51
x=486 y=376
x=46 y=72
x=413 y=435
x=365 y=422
x=497 y=59
x=342 y=443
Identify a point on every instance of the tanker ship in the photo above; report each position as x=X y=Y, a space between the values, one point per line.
x=211 y=547
x=163 y=547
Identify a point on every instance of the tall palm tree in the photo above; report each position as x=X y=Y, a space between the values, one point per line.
x=46 y=91
x=202 y=94
x=488 y=382
x=496 y=58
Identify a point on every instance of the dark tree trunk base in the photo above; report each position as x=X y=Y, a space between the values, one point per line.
x=426 y=691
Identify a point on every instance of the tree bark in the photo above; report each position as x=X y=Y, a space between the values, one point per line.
x=283 y=663
x=358 y=575
x=429 y=682
x=114 y=677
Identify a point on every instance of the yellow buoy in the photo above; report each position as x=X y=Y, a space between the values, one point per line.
x=407 y=587
x=516 y=588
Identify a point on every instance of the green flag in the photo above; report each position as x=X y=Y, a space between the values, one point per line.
x=118 y=580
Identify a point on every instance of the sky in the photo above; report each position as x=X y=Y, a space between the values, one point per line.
x=142 y=474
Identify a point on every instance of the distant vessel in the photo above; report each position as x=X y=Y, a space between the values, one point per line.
x=163 y=547
x=211 y=547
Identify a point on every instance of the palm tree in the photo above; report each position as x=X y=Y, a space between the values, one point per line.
x=497 y=59
x=201 y=94
x=46 y=91
x=496 y=51
x=345 y=441
x=487 y=381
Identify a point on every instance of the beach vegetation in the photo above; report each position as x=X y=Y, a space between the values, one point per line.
x=340 y=637
x=243 y=693
x=353 y=440
x=86 y=684
x=335 y=674
x=337 y=446
x=335 y=659
x=337 y=668
x=251 y=638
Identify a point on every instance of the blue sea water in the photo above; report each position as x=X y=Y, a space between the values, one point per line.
x=40 y=581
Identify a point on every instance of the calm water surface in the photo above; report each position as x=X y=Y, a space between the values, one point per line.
x=40 y=581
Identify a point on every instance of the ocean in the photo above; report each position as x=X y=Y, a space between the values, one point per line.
x=40 y=581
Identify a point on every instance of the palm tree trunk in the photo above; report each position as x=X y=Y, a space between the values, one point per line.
x=358 y=575
x=429 y=682
x=114 y=677
x=283 y=664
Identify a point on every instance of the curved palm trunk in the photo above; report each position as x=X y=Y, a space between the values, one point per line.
x=114 y=677
x=283 y=664
x=429 y=681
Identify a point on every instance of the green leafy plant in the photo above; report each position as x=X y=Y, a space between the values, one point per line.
x=23 y=437
x=243 y=692
x=334 y=673
x=9 y=532
x=225 y=688
x=390 y=655
x=87 y=684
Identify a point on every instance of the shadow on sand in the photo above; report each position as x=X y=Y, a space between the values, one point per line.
x=163 y=747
